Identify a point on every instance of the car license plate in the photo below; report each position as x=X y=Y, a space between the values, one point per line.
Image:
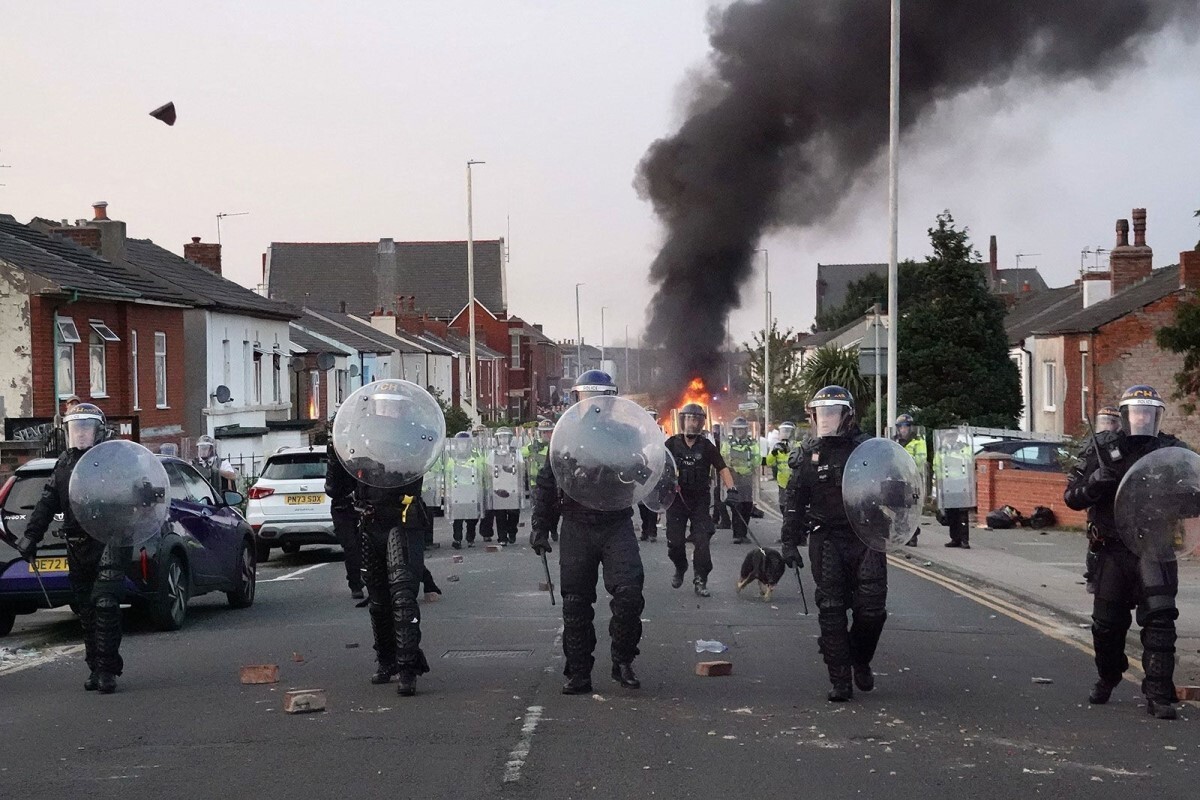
x=304 y=499
x=50 y=565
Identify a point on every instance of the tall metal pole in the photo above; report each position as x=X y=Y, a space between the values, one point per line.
x=878 y=382
x=578 y=335
x=767 y=342
x=471 y=289
x=627 y=357
x=602 y=310
x=893 y=211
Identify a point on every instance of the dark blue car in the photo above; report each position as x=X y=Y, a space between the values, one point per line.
x=207 y=546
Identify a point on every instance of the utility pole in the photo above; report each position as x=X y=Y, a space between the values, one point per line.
x=471 y=289
x=578 y=335
x=766 y=339
x=893 y=209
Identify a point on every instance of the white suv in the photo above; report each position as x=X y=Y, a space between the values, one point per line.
x=287 y=506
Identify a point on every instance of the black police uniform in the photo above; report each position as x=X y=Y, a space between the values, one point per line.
x=849 y=575
x=590 y=539
x=695 y=463
x=394 y=524
x=97 y=573
x=649 y=521
x=1122 y=580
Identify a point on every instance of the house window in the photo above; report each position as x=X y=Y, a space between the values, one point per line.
x=247 y=371
x=516 y=350
x=67 y=332
x=66 y=370
x=275 y=383
x=98 y=365
x=314 y=395
x=160 y=369
x=342 y=377
x=258 y=377
x=225 y=365
x=1049 y=386
x=133 y=353
x=1083 y=386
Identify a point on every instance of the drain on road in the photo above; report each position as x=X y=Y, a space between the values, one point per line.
x=474 y=654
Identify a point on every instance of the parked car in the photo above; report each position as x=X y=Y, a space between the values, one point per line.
x=1031 y=455
x=206 y=546
x=287 y=506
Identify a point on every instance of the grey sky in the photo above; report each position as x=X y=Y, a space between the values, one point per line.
x=353 y=121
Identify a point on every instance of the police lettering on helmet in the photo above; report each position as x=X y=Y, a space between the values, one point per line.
x=831 y=411
x=1108 y=419
x=545 y=430
x=1141 y=411
x=593 y=383
x=85 y=426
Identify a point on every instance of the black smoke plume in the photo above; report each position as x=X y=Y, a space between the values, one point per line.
x=795 y=108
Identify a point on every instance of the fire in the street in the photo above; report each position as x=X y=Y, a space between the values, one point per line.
x=696 y=392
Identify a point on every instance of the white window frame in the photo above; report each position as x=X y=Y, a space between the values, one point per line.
x=276 y=382
x=1049 y=386
x=103 y=331
x=67 y=332
x=133 y=357
x=258 y=376
x=160 y=370
x=1083 y=385
x=65 y=357
x=247 y=371
x=97 y=365
x=515 y=351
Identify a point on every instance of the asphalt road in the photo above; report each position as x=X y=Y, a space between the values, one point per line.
x=956 y=711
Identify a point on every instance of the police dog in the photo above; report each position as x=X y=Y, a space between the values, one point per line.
x=765 y=566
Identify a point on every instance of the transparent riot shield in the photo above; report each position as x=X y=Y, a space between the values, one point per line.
x=667 y=487
x=433 y=487
x=954 y=468
x=389 y=433
x=119 y=493
x=536 y=454
x=1157 y=507
x=504 y=479
x=883 y=494
x=464 y=480
x=607 y=453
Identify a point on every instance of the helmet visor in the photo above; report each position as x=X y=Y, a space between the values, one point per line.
x=827 y=420
x=1107 y=422
x=692 y=424
x=1141 y=420
x=204 y=450
x=787 y=431
x=83 y=433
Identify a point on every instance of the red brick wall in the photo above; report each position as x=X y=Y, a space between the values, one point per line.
x=998 y=484
x=123 y=319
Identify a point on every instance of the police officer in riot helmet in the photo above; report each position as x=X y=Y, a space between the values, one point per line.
x=914 y=445
x=590 y=539
x=393 y=524
x=741 y=454
x=1121 y=580
x=850 y=576
x=695 y=458
x=777 y=458
x=503 y=457
x=216 y=470
x=536 y=454
x=1108 y=419
x=648 y=517
x=97 y=570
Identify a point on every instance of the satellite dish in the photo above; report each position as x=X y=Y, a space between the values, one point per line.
x=354 y=370
x=222 y=394
x=325 y=361
x=296 y=364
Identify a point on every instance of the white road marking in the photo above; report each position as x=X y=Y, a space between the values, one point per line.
x=292 y=576
x=53 y=654
x=516 y=759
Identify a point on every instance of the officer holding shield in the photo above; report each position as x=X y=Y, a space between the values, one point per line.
x=1123 y=581
x=97 y=569
x=648 y=516
x=536 y=455
x=850 y=575
x=1108 y=419
x=464 y=488
x=741 y=455
x=504 y=480
x=592 y=538
x=914 y=443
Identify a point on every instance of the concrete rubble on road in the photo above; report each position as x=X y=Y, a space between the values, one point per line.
x=260 y=673
x=303 y=701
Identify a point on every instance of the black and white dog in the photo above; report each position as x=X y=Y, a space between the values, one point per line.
x=765 y=566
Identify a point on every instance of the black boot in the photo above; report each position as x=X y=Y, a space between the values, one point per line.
x=578 y=684
x=701 y=587
x=624 y=675
x=383 y=675
x=843 y=689
x=677 y=579
x=1102 y=691
x=864 y=678
x=106 y=683
x=92 y=683
x=1159 y=709
x=407 y=686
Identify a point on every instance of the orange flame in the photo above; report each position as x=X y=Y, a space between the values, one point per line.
x=696 y=392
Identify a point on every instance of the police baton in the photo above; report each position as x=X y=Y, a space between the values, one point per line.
x=800 y=581
x=38 y=574
x=549 y=583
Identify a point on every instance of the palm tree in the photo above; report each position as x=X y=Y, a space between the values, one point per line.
x=831 y=365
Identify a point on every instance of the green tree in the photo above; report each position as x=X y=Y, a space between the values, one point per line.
x=456 y=419
x=1183 y=337
x=785 y=373
x=953 y=362
x=860 y=295
x=835 y=366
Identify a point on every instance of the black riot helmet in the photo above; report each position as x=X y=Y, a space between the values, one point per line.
x=831 y=412
x=85 y=426
x=1108 y=419
x=904 y=427
x=1141 y=411
x=692 y=412
x=739 y=428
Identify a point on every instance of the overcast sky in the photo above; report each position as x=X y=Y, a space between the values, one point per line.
x=352 y=121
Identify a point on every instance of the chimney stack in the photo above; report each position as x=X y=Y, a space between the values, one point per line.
x=112 y=233
x=385 y=272
x=100 y=210
x=1130 y=264
x=1189 y=270
x=993 y=262
x=206 y=255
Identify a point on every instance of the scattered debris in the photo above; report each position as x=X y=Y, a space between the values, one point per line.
x=432 y=597
x=299 y=659
x=710 y=646
x=452 y=578
x=351 y=645
x=303 y=701
x=260 y=673
x=714 y=669
x=493 y=548
x=457 y=559
x=746 y=710
x=1187 y=692
x=543 y=587
x=1043 y=680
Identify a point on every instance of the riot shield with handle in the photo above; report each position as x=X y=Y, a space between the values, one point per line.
x=119 y=493
x=883 y=494
x=464 y=479
x=607 y=453
x=389 y=433
x=667 y=487
x=504 y=478
x=954 y=468
x=1157 y=507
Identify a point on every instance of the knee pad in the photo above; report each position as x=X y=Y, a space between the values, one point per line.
x=628 y=600
x=107 y=602
x=577 y=609
x=1159 y=636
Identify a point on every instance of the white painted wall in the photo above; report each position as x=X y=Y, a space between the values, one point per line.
x=242 y=332
x=1046 y=412
x=16 y=356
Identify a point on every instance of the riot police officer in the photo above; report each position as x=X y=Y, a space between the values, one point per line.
x=536 y=454
x=649 y=518
x=849 y=575
x=345 y=527
x=216 y=470
x=393 y=524
x=1107 y=419
x=741 y=454
x=777 y=459
x=97 y=570
x=914 y=444
x=504 y=480
x=1122 y=580
x=720 y=511
x=590 y=539
x=464 y=488
x=695 y=458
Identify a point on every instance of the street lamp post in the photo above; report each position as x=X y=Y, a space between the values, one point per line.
x=602 y=310
x=471 y=290
x=893 y=209
x=766 y=339
x=578 y=334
